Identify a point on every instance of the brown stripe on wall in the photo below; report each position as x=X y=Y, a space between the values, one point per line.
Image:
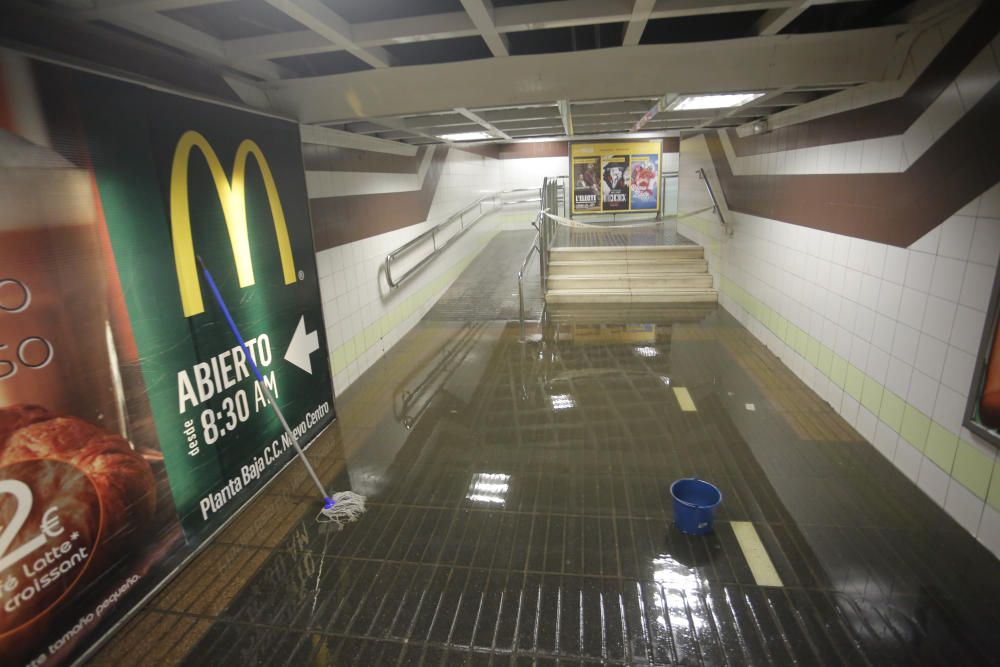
x=318 y=157
x=896 y=208
x=672 y=145
x=486 y=150
x=534 y=149
x=340 y=220
x=892 y=116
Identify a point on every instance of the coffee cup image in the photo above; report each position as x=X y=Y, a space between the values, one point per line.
x=75 y=500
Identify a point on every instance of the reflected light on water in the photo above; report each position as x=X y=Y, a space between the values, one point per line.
x=562 y=401
x=489 y=488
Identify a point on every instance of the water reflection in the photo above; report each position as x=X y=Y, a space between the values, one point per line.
x=489 y=488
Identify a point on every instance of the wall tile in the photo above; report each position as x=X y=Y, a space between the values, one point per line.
x=949 y=409
x=905 y=342
x=928 y=243
x=908 y=459
x=968 y=329
x=897 y=377
x=912 y=307
x=941 y=446
x=923 y=392
x=989 y=529
x=964 y=506
x=895 y=264
x=948 y=275
x=977 y=286
x=930 y=355
x=915 y=427
x=986 y=239
x=958 y=369
x=939 y=316
x=933 y=481
x=885 y=440
x=973 y=469
x=956 y=237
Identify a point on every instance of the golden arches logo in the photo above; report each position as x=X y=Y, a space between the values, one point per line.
x=232 y=196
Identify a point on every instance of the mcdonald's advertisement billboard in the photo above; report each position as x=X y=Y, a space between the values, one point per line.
x=131 y=426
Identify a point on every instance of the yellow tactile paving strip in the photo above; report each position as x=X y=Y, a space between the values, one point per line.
x=804 y=412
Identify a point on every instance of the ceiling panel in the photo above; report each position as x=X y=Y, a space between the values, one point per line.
x=235 y=19
x=555 y=40
x=322 y=64
x=700 y=28
x=502 y=115
x=439 y=51
x=363 y=11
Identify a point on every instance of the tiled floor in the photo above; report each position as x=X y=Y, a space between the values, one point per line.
x=520 y=514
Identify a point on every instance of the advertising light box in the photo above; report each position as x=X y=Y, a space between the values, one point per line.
x=130 y=425
x=615 y=177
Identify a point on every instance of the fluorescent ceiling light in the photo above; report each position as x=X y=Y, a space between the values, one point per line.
x=694 y=102
x=466 y=136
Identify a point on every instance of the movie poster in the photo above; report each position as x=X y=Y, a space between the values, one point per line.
x=615 y=177
x=586 y=184
x=130 y=425
x=614 y=187
x=644 y=182
x=982 y=414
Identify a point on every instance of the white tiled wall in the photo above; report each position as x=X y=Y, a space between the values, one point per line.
x=910 y=319
x=529 y=172
x=364 y=318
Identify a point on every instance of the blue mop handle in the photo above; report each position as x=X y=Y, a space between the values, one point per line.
x=229 y=318
x=328 y=501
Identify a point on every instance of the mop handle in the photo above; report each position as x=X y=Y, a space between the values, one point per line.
x=260 y=379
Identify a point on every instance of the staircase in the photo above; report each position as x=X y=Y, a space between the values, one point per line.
x=629 y=274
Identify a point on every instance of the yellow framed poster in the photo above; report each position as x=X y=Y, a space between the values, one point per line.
x=615 y=177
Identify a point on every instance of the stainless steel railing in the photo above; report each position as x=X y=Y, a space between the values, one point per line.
x=493 y=201
x=715 y=202
x=520 y=279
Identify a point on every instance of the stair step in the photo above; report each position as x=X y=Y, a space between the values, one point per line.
x=622 y=296
x=627 y=313
x=628 y=252
x=631 y=266
x=621 y=281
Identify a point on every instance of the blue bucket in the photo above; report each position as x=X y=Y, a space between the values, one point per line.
x=695 y=501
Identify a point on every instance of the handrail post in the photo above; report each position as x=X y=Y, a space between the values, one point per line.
x=715 y=202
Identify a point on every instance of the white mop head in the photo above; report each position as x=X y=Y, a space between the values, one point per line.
x=343 y=507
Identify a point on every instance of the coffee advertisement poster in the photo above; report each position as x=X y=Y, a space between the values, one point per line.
x=131 y=425
x=615 y=177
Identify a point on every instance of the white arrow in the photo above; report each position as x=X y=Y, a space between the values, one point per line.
x=302 y=346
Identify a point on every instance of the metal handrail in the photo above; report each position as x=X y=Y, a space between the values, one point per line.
x=520 y=279
x=432 y=233
x=715 y=202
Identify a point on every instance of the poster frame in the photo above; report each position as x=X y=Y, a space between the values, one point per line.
x=982 y=363
x=570 y=182
x=96 y=642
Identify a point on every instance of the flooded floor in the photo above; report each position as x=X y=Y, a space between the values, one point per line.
x=521 y=515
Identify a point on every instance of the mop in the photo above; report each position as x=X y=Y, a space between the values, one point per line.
x=339 y=508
